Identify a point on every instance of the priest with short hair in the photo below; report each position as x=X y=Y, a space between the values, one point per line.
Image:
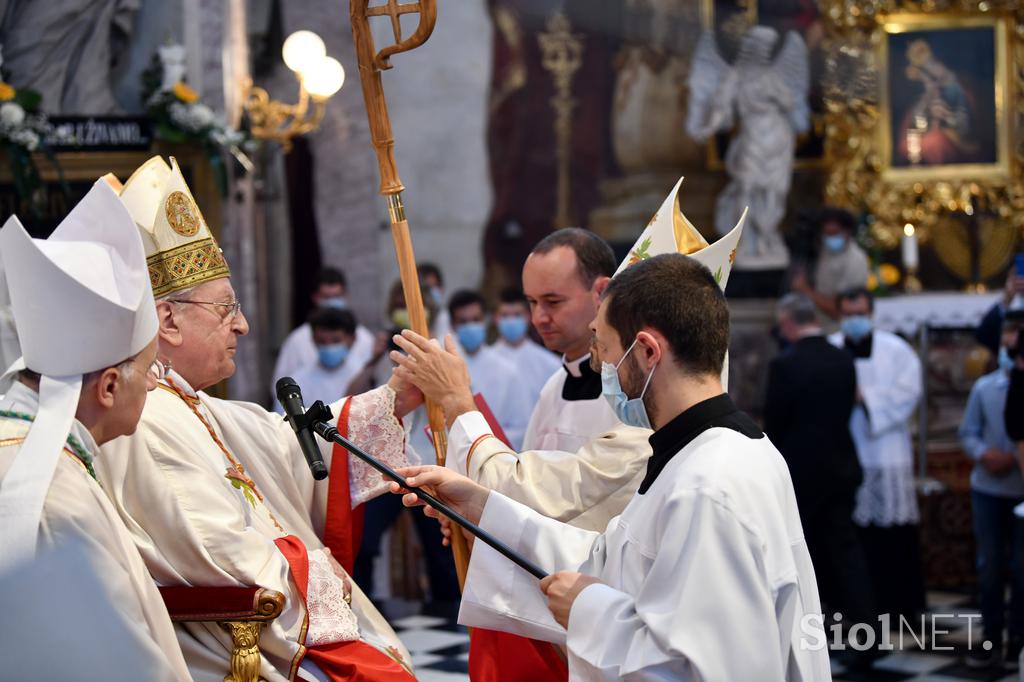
x=85 y=322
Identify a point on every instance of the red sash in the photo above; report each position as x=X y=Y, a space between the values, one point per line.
x=355 y=661
x=343 y=531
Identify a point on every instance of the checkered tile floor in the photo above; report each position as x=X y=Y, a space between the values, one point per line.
x=440 y=647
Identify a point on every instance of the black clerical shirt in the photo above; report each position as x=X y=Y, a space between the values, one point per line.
x=587 y=386
x=678 y=433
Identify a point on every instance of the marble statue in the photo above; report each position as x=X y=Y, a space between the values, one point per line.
x=767 y=97
x=67 y=50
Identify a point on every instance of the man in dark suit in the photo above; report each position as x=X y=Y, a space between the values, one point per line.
x=812 y=386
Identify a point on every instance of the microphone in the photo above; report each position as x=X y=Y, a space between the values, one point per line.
x=290 y=397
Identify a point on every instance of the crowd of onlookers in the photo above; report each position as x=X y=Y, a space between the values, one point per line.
x=838 y=406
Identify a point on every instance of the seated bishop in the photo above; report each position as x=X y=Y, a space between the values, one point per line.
x=218 y=493
x=84 y=313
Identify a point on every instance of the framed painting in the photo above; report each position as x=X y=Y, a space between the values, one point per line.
x=944 y=82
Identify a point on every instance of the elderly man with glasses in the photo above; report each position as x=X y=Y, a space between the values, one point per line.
x=218 y=493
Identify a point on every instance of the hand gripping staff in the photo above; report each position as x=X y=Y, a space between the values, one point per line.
x=371 y=63
x=317 y=420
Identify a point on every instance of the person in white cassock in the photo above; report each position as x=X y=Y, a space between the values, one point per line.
x=533 y=362
x=889 y=388
x=217 y=492
x=705 y=575
x=496 y=379
x=563 y=278
x=87 y=326
x=299 y=351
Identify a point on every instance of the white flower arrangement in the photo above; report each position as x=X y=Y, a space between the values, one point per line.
x=179 y=115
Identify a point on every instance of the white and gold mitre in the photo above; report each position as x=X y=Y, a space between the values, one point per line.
x=669 y=231
x=180 y=249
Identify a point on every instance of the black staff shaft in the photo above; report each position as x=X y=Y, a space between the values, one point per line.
x=328 y=432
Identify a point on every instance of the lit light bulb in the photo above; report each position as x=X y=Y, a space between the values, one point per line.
x=323 y=78
x=302 y=50
x=908 y=230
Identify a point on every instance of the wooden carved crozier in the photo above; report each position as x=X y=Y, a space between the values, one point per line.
x=371 y=63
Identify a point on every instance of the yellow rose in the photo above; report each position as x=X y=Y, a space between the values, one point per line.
x=184 y=93
x=872 y=282
x=6 y=92
x=889 y=273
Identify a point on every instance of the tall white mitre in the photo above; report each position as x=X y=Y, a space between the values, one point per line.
x=670 y=232
x=180 y=249
x=82 y=302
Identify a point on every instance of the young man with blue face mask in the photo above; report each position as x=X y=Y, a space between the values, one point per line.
x=841 y=263
x=889 y=388
x=334 y=334
x=299 y=351
x=707 y=559
x=534 y=364
x=489 y=373
x=996 y=488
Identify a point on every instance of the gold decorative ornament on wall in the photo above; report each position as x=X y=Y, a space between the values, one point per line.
x=319 y=78
x=915 y=136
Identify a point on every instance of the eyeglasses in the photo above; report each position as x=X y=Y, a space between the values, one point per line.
x=158 y=370
x=234 y=307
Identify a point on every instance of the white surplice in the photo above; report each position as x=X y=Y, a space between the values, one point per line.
x=890 y=384
x=299 y=350
x=706 y=576
x=77 y=512
x=501 y=386
x=585 y=488
x=567 y=425
x=194 y=527
x=534 y=365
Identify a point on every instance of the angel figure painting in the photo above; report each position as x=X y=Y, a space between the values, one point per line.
x=763 y=96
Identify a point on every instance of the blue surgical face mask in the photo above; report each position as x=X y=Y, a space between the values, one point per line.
x=1005 y=361
x=630 y=411
x=437 y=295
x=332 y=355
x=856 y=327
x=339 y=302
x=471 y=335
x=835 y=242
x=513 y=329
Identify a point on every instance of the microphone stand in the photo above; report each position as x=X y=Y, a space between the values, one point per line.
x=316 y=418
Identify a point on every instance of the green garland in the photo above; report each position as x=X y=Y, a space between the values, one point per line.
x=73 y=443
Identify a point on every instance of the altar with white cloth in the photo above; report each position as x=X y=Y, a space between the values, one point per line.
x=906 y=314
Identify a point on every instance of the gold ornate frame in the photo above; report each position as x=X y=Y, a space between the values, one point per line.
x=857 y=141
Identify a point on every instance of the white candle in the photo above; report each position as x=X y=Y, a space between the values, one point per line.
x=910 y=256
